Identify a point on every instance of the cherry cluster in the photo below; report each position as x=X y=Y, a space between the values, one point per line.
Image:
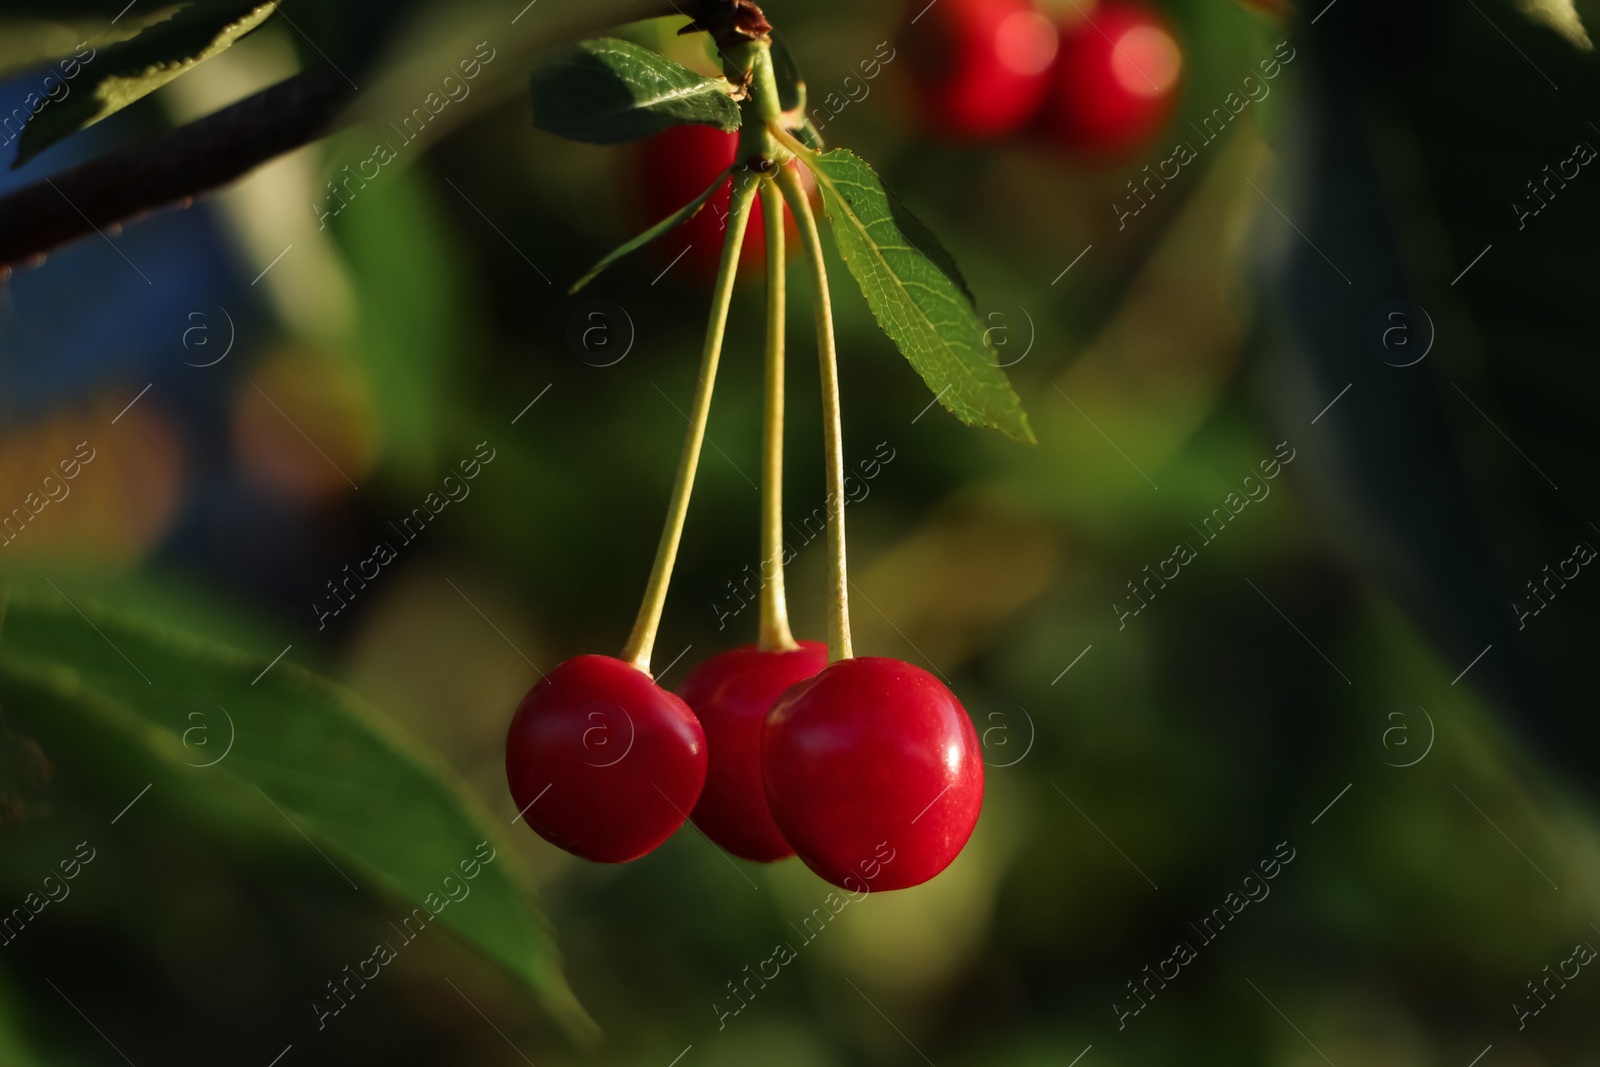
x=781 y=747
x=1096 y=77
x=771 y=752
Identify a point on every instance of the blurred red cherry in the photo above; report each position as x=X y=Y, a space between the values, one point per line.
x=873 y=773
x=673 y=167
x=981 y=67
x=1116 y=79
x=731 y=694
x=602 y=761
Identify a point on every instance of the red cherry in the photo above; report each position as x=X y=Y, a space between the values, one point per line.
x=732 y=693
x=673 y=167
x=981 y=66
x=873 y=773
x=1116 y=79
x=602 y=761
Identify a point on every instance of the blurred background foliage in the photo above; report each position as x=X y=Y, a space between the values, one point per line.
x=1179 y=749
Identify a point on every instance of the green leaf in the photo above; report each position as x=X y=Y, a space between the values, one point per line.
x=37 y=35
x=609 y=91
x=917 y=296
x=671 y=222
x=113 y=77
x=113 y=697
x=15 y=1050
x=925 y=241
x=406 y=320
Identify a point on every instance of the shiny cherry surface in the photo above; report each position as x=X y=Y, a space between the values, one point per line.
x=1116 y=79
x=731 y=694
x=981 y=67
x=602 y=761
x=872 y=757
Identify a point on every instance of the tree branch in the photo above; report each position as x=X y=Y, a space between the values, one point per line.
x=193 y=159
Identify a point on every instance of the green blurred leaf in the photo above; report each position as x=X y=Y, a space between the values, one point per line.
x=122 y=73
x=409 y=322
x=98 y=686
x=37 y=33
x=15 y=1050
x=917 y=295
x=671 y=222
x=1562 y=17
x=610 y=91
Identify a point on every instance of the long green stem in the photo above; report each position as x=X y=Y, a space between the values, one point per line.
x=774 y=633
x=643 y=638
x=832 y=430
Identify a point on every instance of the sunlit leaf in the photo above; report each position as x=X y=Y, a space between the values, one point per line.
x=107 y=80
x=1561 y=16
x=917 y=296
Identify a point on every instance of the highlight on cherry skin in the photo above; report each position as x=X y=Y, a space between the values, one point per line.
x=1116 y=79
x=872 y=750
x=981 y=68
x=731 y=693
x=603 y=762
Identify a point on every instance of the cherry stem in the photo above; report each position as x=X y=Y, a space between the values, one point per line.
x=791 y=142
x=643 y=638
x=832 y=431
x=775 y=635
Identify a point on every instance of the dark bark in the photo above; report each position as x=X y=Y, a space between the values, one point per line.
x=182 y=163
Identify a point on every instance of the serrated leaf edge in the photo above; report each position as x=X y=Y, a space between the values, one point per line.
x=830 y=187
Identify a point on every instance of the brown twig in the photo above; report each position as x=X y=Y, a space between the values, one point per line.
x=193 y=159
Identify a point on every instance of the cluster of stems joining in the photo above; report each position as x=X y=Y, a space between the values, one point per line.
x=761 y=169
